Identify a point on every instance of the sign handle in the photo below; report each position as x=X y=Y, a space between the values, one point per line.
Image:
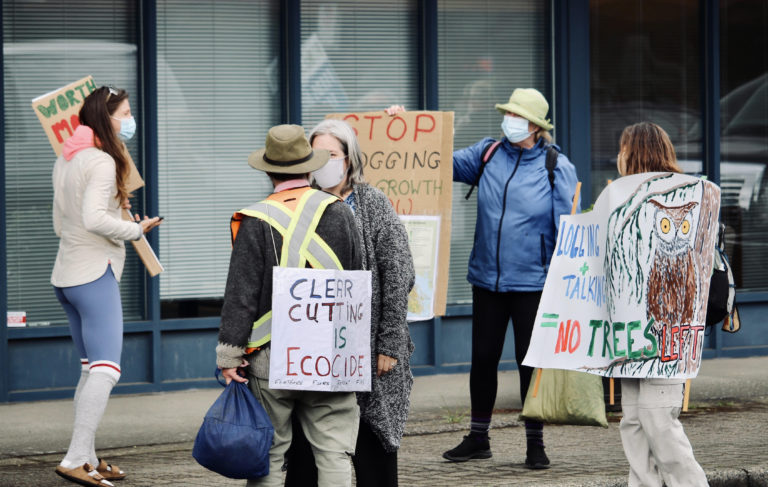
x=686 y=395
x=536 y=383
x=611 y=400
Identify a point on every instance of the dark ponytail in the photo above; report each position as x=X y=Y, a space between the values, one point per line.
x=95 y=113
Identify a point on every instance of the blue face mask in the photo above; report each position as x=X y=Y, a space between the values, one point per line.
x=127 y=128
x=515 y=128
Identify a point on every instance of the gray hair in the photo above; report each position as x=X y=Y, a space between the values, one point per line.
x=342 y=132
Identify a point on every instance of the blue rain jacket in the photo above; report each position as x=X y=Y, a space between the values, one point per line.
x=516 y=213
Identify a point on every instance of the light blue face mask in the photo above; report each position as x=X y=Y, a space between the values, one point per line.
x=515 y=128
x=127 y=128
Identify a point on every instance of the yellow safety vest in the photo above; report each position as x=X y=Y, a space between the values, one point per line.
x=295 y=214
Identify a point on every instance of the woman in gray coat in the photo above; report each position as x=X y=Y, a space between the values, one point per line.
x=384 y=410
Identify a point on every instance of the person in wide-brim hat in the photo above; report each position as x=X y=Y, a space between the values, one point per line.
x=287 y=151
x=530 y=104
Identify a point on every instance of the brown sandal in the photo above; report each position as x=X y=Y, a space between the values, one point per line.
x=84 y=475
x=110 y=472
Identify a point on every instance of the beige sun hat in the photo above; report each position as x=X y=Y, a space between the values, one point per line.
x=288 y=151
x=530 y=104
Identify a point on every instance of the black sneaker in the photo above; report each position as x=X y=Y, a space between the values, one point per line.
x=471 y=447
x=535 y=458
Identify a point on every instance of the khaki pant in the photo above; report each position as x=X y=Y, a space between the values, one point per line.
x=655 y=444
x=330 y=422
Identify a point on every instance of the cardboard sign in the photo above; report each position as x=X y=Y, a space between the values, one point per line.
x=627 y=288
x=16 y=319
x=410 y=158
x=321 y=330
x=58 y=113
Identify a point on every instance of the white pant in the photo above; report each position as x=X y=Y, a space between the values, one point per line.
x=654 y=441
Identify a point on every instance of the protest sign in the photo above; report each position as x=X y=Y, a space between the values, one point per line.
x=409 y=157
x=321 y=330
x=626 y=293
x=58 y=113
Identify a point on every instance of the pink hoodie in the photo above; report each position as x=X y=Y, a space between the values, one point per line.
x=83 y=138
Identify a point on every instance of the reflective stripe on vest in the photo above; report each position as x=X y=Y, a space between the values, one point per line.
x=300 y=243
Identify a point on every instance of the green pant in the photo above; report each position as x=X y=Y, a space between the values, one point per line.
x=329 y=420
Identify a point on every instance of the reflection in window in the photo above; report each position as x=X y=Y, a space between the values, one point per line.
x=44 y=48
x=644 y=66
x=486 y=49
x=357 y=56
x=216 y=100
x=744 y=138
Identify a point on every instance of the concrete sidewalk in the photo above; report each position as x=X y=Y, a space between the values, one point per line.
x=150 y=436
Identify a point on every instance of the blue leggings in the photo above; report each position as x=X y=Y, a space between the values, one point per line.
x=95 y=316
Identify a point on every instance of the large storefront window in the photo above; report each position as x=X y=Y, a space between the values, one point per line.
x=46 y=46
x=485 y=50
x=744 y=138
x=218 y=94
x=357 y=56
x=644 y=66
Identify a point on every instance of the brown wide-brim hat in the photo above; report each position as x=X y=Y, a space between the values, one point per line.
x=288 y=151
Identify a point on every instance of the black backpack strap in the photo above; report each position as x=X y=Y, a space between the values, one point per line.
x=485 y=156
x=551 y=164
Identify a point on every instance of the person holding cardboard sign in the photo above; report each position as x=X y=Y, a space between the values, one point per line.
x=524 y=185
x=268 y=234
x=89 y=181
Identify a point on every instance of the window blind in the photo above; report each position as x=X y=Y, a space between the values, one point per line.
x=217 y=73
x=486 y=49
x=357 y=56
x=46 y=47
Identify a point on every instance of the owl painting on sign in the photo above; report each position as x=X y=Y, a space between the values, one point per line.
x=672 y=281
x=658 y=263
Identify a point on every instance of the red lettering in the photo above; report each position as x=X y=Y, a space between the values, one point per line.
x=696 y=330
x=673 y=355
x=330 y=310
x=576 y=330
x=372 y=118
x=681 y=347
x=663 y=349
x=405 y=128
x=74 y=121
x=288 y=361
x=562 y=337
x=307 y=357
x=420 y=116
x=290 y=315
x=352 y=115
x=351 y=367
x=57 y=128
x=333 y=367
x=317 y=367
x=360 y=364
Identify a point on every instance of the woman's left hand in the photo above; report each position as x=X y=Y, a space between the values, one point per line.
x=385 y=364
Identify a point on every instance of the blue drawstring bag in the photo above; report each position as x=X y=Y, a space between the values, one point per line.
x=236 y=435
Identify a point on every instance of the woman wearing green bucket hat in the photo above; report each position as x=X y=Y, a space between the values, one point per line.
x=519 y=201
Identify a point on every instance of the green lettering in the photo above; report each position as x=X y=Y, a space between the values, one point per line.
x=618 y=326
x=606 y=335
x=633 y=354
x=91 y=85
x=62 y=101
x=71 y=98
x=651 y=338
x=595 y=324
x=49 y=110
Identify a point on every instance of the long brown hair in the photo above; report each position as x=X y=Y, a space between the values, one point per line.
x=95 y=113
x=645 y=147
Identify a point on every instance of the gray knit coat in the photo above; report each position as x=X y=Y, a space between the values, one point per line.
x=387 y=255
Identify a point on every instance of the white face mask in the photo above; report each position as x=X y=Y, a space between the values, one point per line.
x=515 y=128
x=330 y=175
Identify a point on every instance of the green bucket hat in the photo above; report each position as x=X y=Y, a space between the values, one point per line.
x=530 y=104
x=288 y=151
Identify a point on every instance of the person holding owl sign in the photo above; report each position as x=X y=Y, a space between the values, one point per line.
x=656 y=447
